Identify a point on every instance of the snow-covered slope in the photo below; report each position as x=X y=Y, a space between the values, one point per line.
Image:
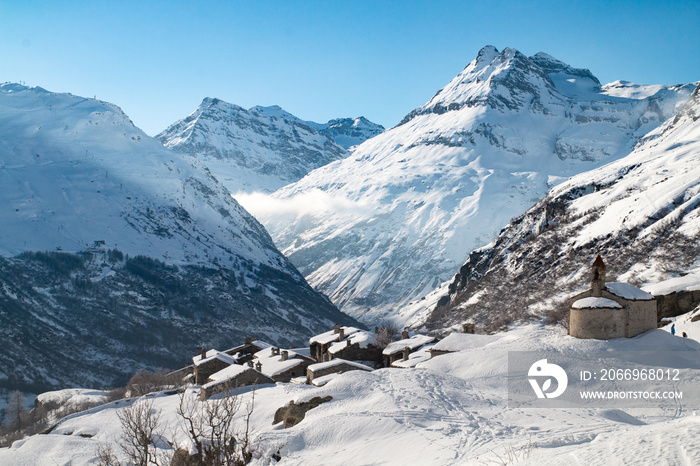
x=452 y=409
x=641 y=213
x=75 y=171
x=144 y=244
x=263 y=148
x=382 y=228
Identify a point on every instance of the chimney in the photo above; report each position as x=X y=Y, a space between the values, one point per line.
x=406 y=352
x=258 y=366
x=341 y=333
x=272 y=351
x=250 y=363
x=202 y=352
x=336 y=328
x=404 y=335
x=249 y=340
x=285 y=355
x=347 y=342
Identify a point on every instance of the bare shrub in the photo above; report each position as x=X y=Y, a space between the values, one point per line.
x=145 y=382
x=385 y=333
x=106 y=456
x=141 y=433
x=210 y=426
x=559 y=315
x=512 y=455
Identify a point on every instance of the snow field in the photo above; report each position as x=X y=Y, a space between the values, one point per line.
x=449 y=410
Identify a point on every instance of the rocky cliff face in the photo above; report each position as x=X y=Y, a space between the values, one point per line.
x=349 y=132
x=641 y=213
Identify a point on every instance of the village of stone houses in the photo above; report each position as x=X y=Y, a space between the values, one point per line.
x=389 y=396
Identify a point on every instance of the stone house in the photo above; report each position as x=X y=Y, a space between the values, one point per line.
x=337 y=366
x=209 y=362
x=281 y=365
x=231 y=377
x=320 y=344
x=610 y=310
x=403 y=348
x=245 y=352
x=358 y=346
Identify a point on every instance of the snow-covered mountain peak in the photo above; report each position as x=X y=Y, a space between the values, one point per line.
x=486 y=54
x=641 y=211
x=260 y=149
x=349 y=132
x=506 y=80
x=76 y=170
x=443 y=182
x=274 y=111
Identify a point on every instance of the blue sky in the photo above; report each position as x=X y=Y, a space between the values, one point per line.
x=322 y=60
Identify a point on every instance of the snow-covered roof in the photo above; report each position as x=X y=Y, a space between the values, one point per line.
x=273 y=365
x=211 y=355
x=225 y=375
x=627 y=291
x=414 y=358
x=594 y=303
x=360 y=337
x=464 y=341
x=416 y=341
x=331 y=336
x=688 y=282
x=229 y=372
x=337 y=362
x=323 y=380
x=236 y=349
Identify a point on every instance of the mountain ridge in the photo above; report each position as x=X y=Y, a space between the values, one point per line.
x=262 y=148
x=446 y=180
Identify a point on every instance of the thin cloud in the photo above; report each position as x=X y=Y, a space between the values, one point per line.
x=314 y=202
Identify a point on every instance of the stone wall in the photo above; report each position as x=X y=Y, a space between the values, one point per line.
x=604 y=323
x=355 y=353
x=205 y=369
x=248 y=377
x=334 y=369
x=677 y=303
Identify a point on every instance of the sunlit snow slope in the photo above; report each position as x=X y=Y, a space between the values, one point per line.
x=193 y=267
x=382 y=228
